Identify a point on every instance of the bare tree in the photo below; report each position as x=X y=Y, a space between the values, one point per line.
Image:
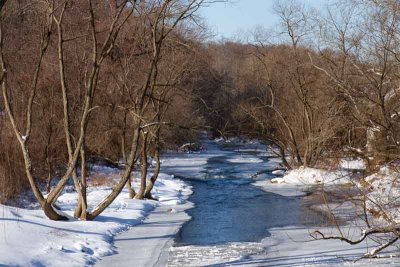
x=359 y=55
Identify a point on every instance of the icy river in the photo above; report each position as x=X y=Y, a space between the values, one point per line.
x=231 y=215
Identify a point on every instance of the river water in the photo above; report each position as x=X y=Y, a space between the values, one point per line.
x=231 y=216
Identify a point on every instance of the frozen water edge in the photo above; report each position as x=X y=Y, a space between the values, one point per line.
x=286 y=246
x=189 y=256
x=293 y=246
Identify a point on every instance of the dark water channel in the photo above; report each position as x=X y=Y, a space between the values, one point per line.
x=228 y=208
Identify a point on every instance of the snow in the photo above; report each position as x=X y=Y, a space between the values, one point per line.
x=309 y=176
x=184 y=164
x=213 y=255
x=278 y=181
x=384 y=196
x=278 y=172
x=150 y=240
x=30 y=239
x=245 y=159
x=294 y=246
x=352 y=164
x=286 y=190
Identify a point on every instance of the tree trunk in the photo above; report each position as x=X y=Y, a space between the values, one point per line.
x=131 y=191
x=140 y=194
x=153 y=179
x=78 y=188
x=81 y=209
x=283 y=158
x=51 y=213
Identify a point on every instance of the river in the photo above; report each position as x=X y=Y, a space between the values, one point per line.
x=231 y=216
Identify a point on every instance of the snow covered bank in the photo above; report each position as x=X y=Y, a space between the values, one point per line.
x=383 y=199
x=30 y=239
x=310 y=176
x=286 y=246
x=352 y=164
x=383 y=186
x=294 y=246
x=148 y=243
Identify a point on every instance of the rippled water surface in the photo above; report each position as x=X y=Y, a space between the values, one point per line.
x=231 y=216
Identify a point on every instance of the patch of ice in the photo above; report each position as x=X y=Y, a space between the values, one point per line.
x=245 y=159
x=218 y=255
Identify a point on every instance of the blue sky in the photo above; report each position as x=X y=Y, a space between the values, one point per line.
x=228 y=19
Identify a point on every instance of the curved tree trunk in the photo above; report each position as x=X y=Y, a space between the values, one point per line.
x=118 y=188
x=142 y=189
x=81 y=208
x=50 y=212
x=153 y=179
x=131 y=191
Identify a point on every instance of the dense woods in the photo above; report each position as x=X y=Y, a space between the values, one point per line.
x=324 y=85
x=120 y=81
x=84 y=80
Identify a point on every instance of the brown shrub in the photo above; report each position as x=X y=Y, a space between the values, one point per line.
x=12 y=175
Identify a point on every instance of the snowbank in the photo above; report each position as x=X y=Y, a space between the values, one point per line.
x=309 y=176
x=384 y=197
x=30 y=239
x=292 y=246
x=352 y=164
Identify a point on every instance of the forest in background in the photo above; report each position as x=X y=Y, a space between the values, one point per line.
x=118 y=81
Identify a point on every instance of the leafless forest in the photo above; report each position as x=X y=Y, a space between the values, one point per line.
x=118 y=81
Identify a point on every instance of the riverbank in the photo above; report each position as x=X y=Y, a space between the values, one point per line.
x=148 y=243
x=240 y=218
x=30 y=239
x=295 y=246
